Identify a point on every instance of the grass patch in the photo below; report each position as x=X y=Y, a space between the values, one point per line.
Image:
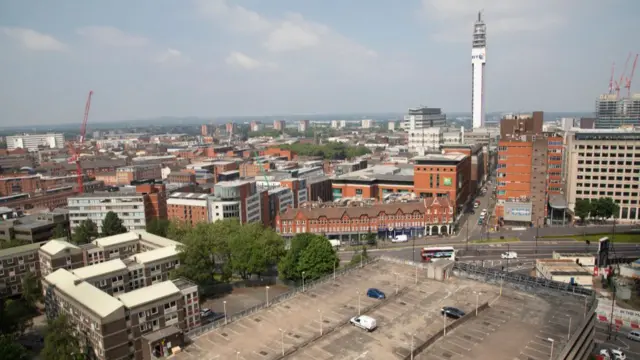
x=618 y=238
x=496 y=240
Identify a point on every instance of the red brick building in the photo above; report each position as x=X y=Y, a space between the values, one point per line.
x=190 y=208
x=443 y=176
x=429 y=216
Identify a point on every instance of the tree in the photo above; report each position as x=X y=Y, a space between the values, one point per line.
x=288 y=265
x=31 y=290
x=60 y=343
x=605 y=208
x=371 y=238
x=317 y=259
x=178 y=230
x=85 y=232
x=254 y=249
x=59 y=232
x=582 y=209
x=16 y=317
x=112 y=225
x=11 y=349
x=359 y=257
x=158 y=227
x=12 y=243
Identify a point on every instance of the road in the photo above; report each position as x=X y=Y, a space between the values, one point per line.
x=525 y=250
x=619 y=341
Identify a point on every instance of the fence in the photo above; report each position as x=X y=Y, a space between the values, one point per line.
x=518 y=281
x=194 y=333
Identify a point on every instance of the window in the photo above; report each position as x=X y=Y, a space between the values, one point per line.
x=154 y=310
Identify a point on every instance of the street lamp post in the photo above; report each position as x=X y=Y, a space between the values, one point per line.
x=282 y=340
x=416 y=274
x=535 y=251
x=321 y=327
x=334 y=271
x=267 y=289
x=303 y=281
x=477 y=299
x=237 y=355
x=508 y=256
x=585 y=306
x=412 y=336
x=224 y=303
x=413 y=252
x=467 y=243
x=551 y=354
x=444 y=323
x=396 y=282
x=569 y=330
x=358 y=292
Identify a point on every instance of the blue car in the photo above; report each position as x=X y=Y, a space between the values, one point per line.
x=375 y=293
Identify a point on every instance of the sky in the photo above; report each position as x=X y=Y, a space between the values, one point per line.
x=216 y=58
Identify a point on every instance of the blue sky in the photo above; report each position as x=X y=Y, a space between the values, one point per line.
x=213 y=58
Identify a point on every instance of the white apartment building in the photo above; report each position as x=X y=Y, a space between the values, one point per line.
x=391 y=125
x=32 y=142
x=431 y=139
x=129 y=207
x=368 y=123
x=604 y=163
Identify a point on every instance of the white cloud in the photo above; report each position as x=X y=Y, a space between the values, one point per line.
x=33 y=40
x=240 y=60
x=292 y=32
x=454 y=19
x=110 y=36
x=172 y=56
x=289 y=36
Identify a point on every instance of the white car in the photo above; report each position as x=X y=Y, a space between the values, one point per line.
x=613 y=354
x=400 y=238
x=509 y=255
x=364 y=322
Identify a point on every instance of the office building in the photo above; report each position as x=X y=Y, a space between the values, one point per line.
x=204 y=130
x=303 y=125
x=478 y=62
x=230 y=128
x=298 y=189
x=391 y=126
x=190 y=208
x=34 y=228
x=604 y=163
x=134 y=208
x=446 y=175
x=32 y=142
x=424 y=117
x=15 y=263
x=256 y=126
x=426 y=140
x=235 y=199
x=479 y=159
x=613 y=111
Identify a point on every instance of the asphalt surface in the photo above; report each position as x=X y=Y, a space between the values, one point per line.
x=618 y=340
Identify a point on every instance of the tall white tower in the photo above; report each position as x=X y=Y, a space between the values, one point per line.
x=478 y=60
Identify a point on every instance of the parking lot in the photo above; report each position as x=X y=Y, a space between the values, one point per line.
x=416 y=312
x=516 y=326
x=264 y=334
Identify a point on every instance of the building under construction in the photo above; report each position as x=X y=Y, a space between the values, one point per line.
x=613 y=111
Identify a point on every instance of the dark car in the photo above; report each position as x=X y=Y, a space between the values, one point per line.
x=209 y=316
x=375 y=293
x=452 y=312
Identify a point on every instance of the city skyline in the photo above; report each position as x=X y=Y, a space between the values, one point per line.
x=224 y=58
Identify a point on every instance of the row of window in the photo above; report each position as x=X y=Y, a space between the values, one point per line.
x=611 y=170
x=606 y=147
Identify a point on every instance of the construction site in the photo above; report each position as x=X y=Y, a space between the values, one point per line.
x=507 y=316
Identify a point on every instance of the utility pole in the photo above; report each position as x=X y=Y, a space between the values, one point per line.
x=467 y=245
x=413 y=252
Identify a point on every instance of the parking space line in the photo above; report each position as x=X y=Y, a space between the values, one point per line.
x=454 y=341
x=527 y=347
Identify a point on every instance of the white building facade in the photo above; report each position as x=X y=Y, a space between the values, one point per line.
x=130 y=208
x=32 y=142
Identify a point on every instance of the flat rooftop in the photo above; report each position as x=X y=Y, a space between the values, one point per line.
x=511 y=327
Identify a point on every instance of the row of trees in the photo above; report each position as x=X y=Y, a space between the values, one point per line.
x=88 y=230
x=16 y=317
x=597 y=209
x=331 y=151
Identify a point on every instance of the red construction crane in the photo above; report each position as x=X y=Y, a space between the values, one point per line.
x=624 y=70
x=613 y=70
x=627 y=85
x=75 y=150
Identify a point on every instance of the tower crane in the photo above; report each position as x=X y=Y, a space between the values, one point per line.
x=627 y=84
x=624 y=70
x=75 y=149
x=613 y=69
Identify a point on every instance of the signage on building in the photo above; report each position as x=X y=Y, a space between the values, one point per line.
x=478 y=55
x=447 y=181
x=520 y=212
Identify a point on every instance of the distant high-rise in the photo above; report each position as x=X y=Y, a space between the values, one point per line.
x=423 y=117
x=478 y=61
x=204 y=130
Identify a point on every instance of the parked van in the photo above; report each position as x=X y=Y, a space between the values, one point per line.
x=400 y=238
x=510 y=255
x=364 y=322
x=334 y=243
x=634 y=335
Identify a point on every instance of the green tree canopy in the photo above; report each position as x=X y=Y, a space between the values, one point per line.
x=158 y=227
x=583 y=208
x=178 y=230
x=31 y=290
x=15 y=317
x=317 y=259
x=112 y=225
x=288 y=266
x=85 y=232
x=60 y=343
x=59 y=232
x=332 y=151
x=11 y=349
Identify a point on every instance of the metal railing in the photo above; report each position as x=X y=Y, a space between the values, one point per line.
x=308 y=285
x=520 y=281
